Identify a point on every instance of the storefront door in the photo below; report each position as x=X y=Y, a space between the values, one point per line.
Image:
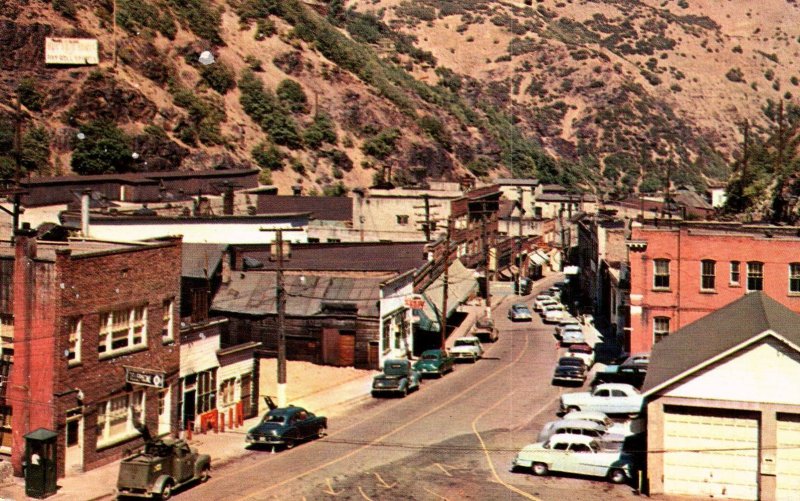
x=74 y=451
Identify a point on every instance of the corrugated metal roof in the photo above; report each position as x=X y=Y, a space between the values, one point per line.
x=201 y=260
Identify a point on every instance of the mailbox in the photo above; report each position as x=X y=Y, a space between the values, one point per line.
x=40 y=463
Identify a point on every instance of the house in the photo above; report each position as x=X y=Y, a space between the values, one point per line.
x=723 y=413
x=331 y=218
x=553 y=201
x=684 y=271
x=92 y=329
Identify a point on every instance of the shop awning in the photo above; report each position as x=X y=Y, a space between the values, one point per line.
x=539 y=258
x=461 y=284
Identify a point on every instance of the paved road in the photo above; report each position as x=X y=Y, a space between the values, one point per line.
x=454 y=439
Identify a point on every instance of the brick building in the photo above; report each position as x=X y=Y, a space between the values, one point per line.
x=95 y=344
x=682 y=272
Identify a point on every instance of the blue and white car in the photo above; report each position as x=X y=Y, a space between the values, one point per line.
x=575 y=454
x=520 y=312
x=611 y=398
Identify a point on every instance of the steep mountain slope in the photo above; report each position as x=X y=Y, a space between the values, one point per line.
x=614 y=94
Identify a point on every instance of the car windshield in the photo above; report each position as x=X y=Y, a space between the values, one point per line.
x=430 y=356
x=520 y=307
x=464 y=342
x=274 y=418
x=579 y=348
x=570 y=361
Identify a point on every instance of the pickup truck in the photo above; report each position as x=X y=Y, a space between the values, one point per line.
x=398 y=378
x=467 y=348
x=160 y=468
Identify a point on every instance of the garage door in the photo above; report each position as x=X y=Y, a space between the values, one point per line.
x=788 y=459
x=710 y=455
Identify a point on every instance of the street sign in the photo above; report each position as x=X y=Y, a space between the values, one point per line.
x=144 y=377
x=415 y=302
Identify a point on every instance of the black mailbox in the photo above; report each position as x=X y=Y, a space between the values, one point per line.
x=40 y=463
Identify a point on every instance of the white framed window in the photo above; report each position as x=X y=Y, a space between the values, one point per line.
x=168 y=324
x=735 y=273
x=794 y=278
x=74 y=328
x=164 y=422
x=115 y=418
x=206 y=391
x=661 y=274
x=660 y=328
x=7 y=334
x=707 y=275
x=755 y=276
x=121 y=330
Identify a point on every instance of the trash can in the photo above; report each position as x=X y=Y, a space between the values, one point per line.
x=40 y=463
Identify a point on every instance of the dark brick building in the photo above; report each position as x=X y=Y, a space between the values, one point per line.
x=95 y=344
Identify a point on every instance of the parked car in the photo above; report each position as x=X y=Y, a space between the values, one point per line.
x=467 y=348
x=523 y=286
x=635 y=364
x=583 y=427
x=286 y=427
x=568 y=320
x=520 y=311
x=572 y=334
x=485 y=330
x=397 y=378
x=553 y=313
x=616 y=428
x=434 y=362
x=569 y=370
x=611 y=398
x=629 y=369
x=575 y=454
x=159 y=469
x=582 y=351
x=542 y=300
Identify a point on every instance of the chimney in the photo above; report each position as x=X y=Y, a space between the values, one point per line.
x=297 y=190
x=25 y=240
x=85 y=213
x=226 y=267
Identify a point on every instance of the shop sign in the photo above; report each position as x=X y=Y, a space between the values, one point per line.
x=144 y=377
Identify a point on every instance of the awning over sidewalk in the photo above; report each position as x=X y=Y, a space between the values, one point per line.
x=539 y=257
x=461 y=284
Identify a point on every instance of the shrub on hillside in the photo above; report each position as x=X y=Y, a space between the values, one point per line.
x=735 y=75
x=104 y=149
x=382 y=144
x=292 y=95
x=266 y=110
x=321 y=130
x=268 y=156
x=219 y=77
x=29 y=95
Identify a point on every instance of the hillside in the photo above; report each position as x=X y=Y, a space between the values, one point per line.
x=610 y=95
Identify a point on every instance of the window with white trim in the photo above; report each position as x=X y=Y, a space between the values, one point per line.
x=661 y=274
x=734 y=273
x=755 y=276
x=122 y=329
x=74 y=327
x=660 y=328
x=168 y=325
x=794 y=278
x=707 y=274
x=115 y=417
x=206 y=391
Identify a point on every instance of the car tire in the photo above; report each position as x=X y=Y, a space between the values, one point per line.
x=404 y=393
x=540 y=469
x=617 y=476
x=320 y=432
x=205 y=474
x=166 y=491
x=289 y=443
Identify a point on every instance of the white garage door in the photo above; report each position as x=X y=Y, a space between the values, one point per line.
x=788 y=459
x=710 y=456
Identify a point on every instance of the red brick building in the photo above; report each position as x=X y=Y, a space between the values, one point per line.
x=95 y=344
x=682 y=272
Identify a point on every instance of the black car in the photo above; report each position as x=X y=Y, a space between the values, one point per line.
x=570 y=370
x=286 y=426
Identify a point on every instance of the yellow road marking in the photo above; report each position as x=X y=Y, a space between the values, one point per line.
x=257 y=495
x=438 y=496
x=330 y=488
x=363 y=494
x=443 y=469
x=383 y=482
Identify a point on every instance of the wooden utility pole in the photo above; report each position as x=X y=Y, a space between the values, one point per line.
x=114 y=35
x=280 y=292
x=485 y=246
x=446 y=261
x=18 y=141
x=746 y=153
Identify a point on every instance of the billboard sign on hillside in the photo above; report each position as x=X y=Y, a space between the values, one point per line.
x=71 y=51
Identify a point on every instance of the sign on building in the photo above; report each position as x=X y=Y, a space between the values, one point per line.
x=71 y=51
x=415 y=302
x=144 y=377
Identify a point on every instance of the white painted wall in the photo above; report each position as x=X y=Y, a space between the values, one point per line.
x=393 y=296
x=217 y=232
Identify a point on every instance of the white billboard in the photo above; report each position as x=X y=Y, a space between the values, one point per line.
x=71 y=51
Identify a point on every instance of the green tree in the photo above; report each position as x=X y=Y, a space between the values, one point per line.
x=268 y=156
x=436 y=130
x=219 y=77
x=292 y=95
x=104 y=149
x=321 y=130
x=266 y=110
x=381 y=145
x=29 y=95
x=35 y=150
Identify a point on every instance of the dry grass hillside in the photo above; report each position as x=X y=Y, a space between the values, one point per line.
x=608 y=94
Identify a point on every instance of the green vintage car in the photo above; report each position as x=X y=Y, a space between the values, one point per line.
x=434 y=362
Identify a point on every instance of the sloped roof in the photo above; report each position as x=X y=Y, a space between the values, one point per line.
x=253 y=293
x=201 y=260
x=686 y=350
x=325 y=208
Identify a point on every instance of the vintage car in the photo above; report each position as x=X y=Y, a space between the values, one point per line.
x=582 y=351
x=577 y=454
x=541 y=300
x=629 y=369
x=286 y=427
x=572 y=334
x=611 y=398
x=584 y=427
x=485 y=330
x=564 y=323
x=569 y=370
x=625 y=428
x=397 y=378
x=520 y=312
x=467 y=348
x=434 y=362
x=159 y=469
x=554 y=313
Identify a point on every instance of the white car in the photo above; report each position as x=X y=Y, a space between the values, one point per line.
x=611 y=398
x=572 y=336
x=542 y=300
x=575 y=454
x=569 y=320
x=598 y=431
x=582 y=351
x=554 y=313
x=625 y=428
x=467 y=348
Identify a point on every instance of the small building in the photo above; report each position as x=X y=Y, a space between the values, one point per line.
x=93 y=332
x=723 y=414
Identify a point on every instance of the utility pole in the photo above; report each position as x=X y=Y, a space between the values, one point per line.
x=519 y=247
x=746 y=153
x=18 y=141
x=427 y=222
x=114 y=35
x=485 y=251
x=281 y=306
x=446 y=262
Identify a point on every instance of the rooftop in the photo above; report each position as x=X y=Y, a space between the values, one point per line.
x=46 y=251
x=327 y=208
